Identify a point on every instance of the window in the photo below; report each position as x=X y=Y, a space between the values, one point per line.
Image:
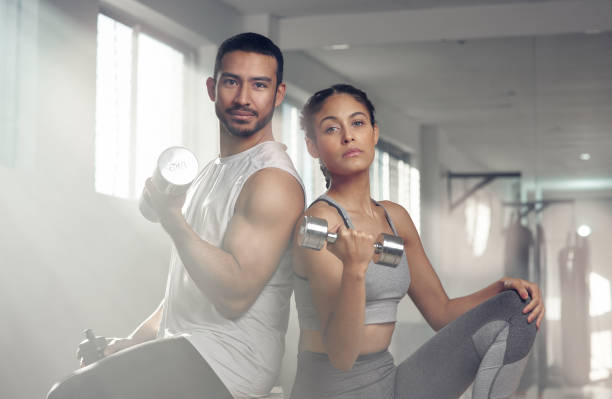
x=599 y=301
x=600 y=305
x=601 y=358
x=394 y=178
x=140 y=107
x=477 y=225
x=18 y=30
x=391 y=175
x=307 y=166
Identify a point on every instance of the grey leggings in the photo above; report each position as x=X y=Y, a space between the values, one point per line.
x=488 y=345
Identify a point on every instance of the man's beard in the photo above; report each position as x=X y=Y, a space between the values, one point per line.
x=243 y=132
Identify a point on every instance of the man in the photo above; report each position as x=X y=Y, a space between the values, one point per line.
x=219 y=332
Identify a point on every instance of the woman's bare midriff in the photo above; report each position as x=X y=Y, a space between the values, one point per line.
x=376 y=338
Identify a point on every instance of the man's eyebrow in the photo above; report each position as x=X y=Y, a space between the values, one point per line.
x=262 y=78
x=229 y=75
x=253 y=79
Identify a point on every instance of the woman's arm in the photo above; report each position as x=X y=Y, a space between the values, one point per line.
x=427 y=292
x=337 y=281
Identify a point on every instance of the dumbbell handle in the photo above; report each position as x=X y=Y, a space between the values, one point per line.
x=333 y=237
x=313 y=233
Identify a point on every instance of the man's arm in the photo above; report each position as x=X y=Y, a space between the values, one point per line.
x=232 y=276
x=146 y=331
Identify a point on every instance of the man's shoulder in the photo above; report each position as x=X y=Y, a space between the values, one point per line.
x=271 y=157
x=270 y=151
x=273 y=181
x=272 y=189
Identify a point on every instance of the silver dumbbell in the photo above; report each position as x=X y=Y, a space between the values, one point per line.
x=176 y=169
x=313 y=234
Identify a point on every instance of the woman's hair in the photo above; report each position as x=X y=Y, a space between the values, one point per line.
x=314 y=105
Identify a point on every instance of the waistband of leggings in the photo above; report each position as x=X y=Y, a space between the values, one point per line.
x=361 y=358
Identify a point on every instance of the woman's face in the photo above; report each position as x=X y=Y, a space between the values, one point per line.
x=344 y=135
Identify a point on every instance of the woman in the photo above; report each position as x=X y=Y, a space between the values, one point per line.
x=347 y=305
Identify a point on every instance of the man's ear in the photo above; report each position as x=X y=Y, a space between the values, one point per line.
x=210 y=88
x=280 y=94
x=312 y=147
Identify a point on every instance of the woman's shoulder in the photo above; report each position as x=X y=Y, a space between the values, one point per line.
x=394 y=209
x=324 y=210
x=399 y=215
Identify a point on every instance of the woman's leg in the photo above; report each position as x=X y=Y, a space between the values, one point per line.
x=168 y=368
x=488 y=345
x=372 y=377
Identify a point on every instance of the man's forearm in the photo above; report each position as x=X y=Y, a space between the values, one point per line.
x=148 y=329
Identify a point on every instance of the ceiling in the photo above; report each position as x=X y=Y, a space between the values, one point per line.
x=531 y=102
x=299 y=8
x=510 y=104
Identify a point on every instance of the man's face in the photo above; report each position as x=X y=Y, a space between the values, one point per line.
x=245 y=92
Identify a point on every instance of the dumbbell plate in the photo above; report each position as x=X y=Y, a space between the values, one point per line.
x=392 y=252
x=312 y=233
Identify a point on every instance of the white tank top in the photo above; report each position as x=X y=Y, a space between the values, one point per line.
x=246 y=352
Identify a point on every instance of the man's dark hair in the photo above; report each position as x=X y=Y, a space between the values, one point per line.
x=252 y=43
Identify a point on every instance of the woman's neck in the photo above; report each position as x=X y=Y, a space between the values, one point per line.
x=353 y=192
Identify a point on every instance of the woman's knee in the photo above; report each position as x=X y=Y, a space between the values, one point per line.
x=511 y=301
x=508 y=307
x=521 y=334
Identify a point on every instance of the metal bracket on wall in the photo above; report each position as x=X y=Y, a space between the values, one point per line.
x=487 y=177
x=536 y=206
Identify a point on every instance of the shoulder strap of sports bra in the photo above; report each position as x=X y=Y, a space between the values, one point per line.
x=388 y=217
x=344 y=214
x=339 y=208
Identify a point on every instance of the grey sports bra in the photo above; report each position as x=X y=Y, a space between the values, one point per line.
x=385 y=286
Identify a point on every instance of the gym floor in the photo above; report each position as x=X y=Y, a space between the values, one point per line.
x=600 y=391
x=590 y=392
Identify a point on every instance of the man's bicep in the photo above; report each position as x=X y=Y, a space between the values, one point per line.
x=256 y=248
x=263 y=221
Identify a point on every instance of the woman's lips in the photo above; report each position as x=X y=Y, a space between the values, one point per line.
x=353 y=152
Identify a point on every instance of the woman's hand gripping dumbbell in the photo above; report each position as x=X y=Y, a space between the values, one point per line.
x=313 y=234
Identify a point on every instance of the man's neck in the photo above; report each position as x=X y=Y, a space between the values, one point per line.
x=230 y=144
